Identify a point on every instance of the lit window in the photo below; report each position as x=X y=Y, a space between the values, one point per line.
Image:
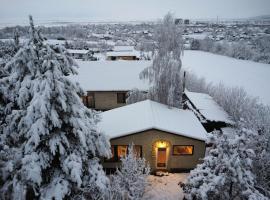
x=121 y=151
x=121 y=97
x=182 y=150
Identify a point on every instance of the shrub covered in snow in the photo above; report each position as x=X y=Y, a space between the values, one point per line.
x=50 y=140
x=129 y=181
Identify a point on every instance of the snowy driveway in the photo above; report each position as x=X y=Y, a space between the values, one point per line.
x=165 y=187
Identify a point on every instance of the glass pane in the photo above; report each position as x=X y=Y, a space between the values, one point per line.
x=90 y=101
x=183 y=150
x=138 y=150
x=121 y=97
x=121 y=151
x=161 y=157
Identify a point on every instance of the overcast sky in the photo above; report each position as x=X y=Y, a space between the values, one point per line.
x=125 y=10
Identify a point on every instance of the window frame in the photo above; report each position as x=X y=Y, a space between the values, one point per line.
x=116 y=157
x=124 y=97
x=86 y=102
x=182 y=154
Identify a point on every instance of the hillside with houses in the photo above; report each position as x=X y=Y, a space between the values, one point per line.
x=173 y=109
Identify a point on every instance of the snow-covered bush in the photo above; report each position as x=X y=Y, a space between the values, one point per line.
x=135 y=95
x=226 y=172
x=51 y=137
x=195 y=44
x=7 y=50
x=164 y=75
x=130 y=180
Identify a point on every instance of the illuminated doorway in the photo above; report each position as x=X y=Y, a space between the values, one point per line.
x=161 y=158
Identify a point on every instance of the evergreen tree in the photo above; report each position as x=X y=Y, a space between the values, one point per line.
x=129 y=182
x=226 y=172
x=52 y=137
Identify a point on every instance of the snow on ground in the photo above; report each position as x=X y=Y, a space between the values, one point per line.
x=165 y=187
x=252 y=76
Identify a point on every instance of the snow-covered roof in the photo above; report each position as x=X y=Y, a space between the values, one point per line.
x=123 y=53
x=78 y=51
x=146 y=115
x=111 y=75
x=208 y=107
x=123 y=48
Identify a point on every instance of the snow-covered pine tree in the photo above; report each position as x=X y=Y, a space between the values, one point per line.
x=164 y=74
x=226 y=172
x=52 y=135
x=130 y=180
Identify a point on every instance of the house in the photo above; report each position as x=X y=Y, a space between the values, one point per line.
x=134 y=55
x=107 y=83
x=211 y=115
x=123 y=53
x=80 y=53
x=170 y=139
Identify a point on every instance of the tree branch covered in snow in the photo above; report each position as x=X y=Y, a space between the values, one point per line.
x=130 y=181
x=164 y=75
x=51 y=137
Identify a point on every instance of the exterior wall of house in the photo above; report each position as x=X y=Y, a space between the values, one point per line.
x=122 y=58
x=106 y=100
x=148 y=140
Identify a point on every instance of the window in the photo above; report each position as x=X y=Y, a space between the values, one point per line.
x=89 y=100
x=121 y=97
x=183 y=150
x=138 y=151
x=119 y=151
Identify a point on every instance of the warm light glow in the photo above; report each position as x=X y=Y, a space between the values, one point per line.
x=161 y=144
x=183 y=150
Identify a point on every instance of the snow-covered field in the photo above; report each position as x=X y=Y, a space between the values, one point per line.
x=252 y=76
x=165 y=187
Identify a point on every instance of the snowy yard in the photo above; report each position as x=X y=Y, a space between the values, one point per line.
x=165 y=187
x=252 y=76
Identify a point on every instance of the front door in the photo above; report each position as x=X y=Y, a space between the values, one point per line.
x=161 y=158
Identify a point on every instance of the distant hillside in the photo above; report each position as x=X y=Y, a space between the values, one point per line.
x=261 y=17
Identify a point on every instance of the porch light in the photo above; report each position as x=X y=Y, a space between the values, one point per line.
x=161 y=144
